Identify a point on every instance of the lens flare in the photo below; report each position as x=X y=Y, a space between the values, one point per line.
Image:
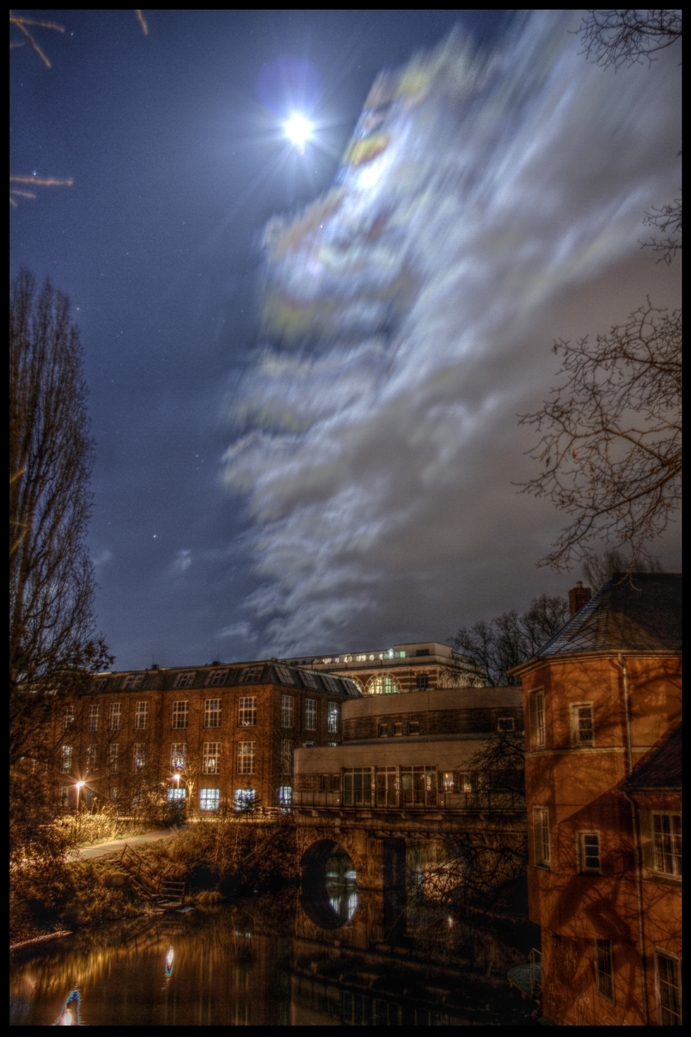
x=299 y=130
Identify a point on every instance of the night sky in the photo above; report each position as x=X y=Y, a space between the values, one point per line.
x=268 y=483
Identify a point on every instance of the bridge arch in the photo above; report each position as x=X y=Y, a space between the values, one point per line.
x=328 y=884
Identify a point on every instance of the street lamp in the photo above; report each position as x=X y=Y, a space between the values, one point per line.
x=79 y=785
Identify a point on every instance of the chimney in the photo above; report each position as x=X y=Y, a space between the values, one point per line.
x=578 y=597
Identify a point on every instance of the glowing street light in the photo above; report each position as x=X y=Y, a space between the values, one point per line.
x=299 y=130
x=79 y=785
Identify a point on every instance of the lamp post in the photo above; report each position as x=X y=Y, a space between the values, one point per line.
x=79 y=785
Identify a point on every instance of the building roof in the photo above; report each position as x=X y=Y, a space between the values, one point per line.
x=220 y=675
x=632 y=612
x=660 y=768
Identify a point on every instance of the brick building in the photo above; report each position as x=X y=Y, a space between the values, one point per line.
x=403 y=668
x=216 y=737
x=602 y=699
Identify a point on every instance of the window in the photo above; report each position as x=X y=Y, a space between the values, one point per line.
x=537 y=719
x=398 y=729
x=184 y=680
x=92 y=722
x=178 y=756
x=541 y=837
x=668 y=988
x=211 y=758
x=286 y=756
x=418 y=786
x=589 y=853
x=246 y=754
x=139 y=753
x=285 y=796
x=422 y=680
x=386 y=786
x=383 y=684
x=133 y=681
x=91 y=759
x=64 y=796
x=414 y=727
x=287 y=702
x=357 y=786
x=247 y=711
x=209 y=799
x=141 y=716
x=604 y=969
x=181 y=713
x=212 y=713
x=400 y=655
x=333 y=684
x=466 y=782
x=325 y=783
x=251 y=674
x=582 y=731
x=66 y=758
x=332 y=711
x=309 y=679
x=177 y=795
x=113 y=793
x=505 y=724
x=67 y=717
x=667 y=844
x=217 y=677
x=422 y=651
x=358 y=659
x=245 y=799
x=114 y=716
x=310 y=714
x=448 y=783
x=113 y=757
x=383 y=730
x=284 y=675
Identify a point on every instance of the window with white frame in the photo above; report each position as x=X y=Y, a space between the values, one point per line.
x=211 y=758
x=422 y=680
x=287 y=704
x=92 y=755
x=217 y=677
x=66 y=758
x=209 y=799
x=184 y=680
x=139 y=753
x=668 y=989
x=92 y=719
x=589 y=853
x=178 y=756
x=541 y=845
x=286 y=756
x=212 y=713
x=667 y=844
x=285 y=675
x=132 y=681
x=310 y=714
x=309 y=679
x=246 y=756
x=332 y=712
x=604 y=969
x=247 y=711
x=113 y=757
x=68 y=717
x=114 y=716
x=181 y=713
x=177 y=795
x=582 y=727
x=251 y=674
x=141 y=716
x=383 y=684
x=537 y=719
x=245 y=799
x=285 y=796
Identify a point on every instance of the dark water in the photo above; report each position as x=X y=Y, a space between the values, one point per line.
x=315 y=956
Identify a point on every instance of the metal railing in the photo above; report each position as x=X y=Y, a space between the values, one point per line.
x=461 y=801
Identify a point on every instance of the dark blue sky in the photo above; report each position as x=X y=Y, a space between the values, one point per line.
x=174 y=143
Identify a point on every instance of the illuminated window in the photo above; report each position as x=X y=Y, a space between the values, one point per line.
x=212 y=713
x=582 y=731
x=68 y=717
x=133 y=681
x=178 y=756
x=246 y=755
x=604 y=969
x=181 y=712
x=448 y=782
x=114 y=716
x=422 y=680
x=66 y=758
x=467 y=782
x=177 y=795
x=209 y=799
x=310 y=714
x=247 y=711
x=217 y=677
x=332 y=717
x=113 y=757
x=245 y=799
x=360 y=658
x=383 y=684
x=211 y=758
x=141 y=716
x=667 y=844
x=92 y=722
x=537 y=719
x=668 y=984
x=589 y=852
x=285 y=796
x=287 y=702
x=541 y=844
x=286 y=756
x=184 y=680
x=139 y=753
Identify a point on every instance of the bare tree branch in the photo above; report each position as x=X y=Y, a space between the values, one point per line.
x=625 y=38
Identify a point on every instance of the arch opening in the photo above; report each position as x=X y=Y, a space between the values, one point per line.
x=328 y=887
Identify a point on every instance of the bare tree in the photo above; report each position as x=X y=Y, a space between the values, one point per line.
x=625 y=38
x=53 y=646
x=510 y=639
x=610 y=432
x=598 y=568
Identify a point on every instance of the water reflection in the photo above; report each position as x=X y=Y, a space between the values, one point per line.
x=328 y=893
x=69 y=1016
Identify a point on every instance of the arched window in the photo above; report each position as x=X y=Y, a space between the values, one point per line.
x=383 y=684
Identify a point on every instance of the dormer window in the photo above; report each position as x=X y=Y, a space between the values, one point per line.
x=217 y=677
x=132 y=681
x=184 y=680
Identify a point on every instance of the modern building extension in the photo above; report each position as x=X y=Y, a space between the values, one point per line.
x=602 y=702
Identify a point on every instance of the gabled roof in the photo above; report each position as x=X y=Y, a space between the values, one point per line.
x=639 y=612
x=660 y=768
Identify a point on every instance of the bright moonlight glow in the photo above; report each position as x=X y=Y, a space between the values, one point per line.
x=299 y=130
